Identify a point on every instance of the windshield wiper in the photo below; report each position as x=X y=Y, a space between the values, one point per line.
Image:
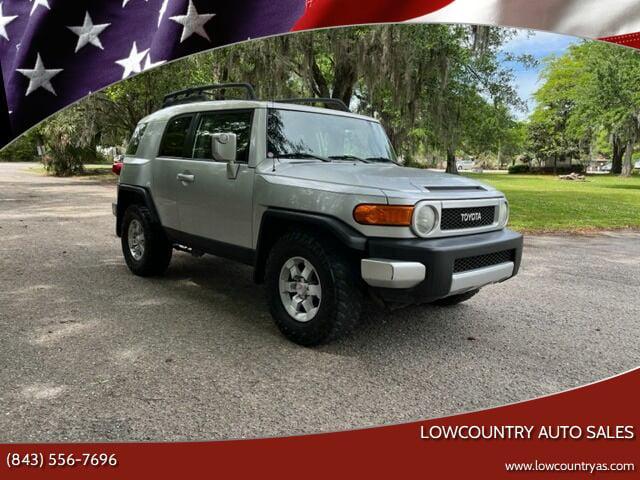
x=304 y=155
x=380 y=159
x=349 y=157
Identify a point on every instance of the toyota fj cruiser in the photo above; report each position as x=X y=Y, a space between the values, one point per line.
x=314 y=199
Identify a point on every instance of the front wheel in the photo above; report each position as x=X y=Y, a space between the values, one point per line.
x=144 y=245
x=312 y=290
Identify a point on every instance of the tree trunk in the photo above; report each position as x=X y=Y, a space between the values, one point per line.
x=627 y=165
x=618 y=152
x=345 y=70
x=451 y=161
x=345 y=78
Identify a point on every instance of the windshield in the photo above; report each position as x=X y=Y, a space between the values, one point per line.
x=296 y=134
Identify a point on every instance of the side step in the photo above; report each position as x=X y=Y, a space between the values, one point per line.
x=182 y=248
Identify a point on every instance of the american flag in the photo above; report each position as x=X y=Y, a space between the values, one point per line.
x=55 y=52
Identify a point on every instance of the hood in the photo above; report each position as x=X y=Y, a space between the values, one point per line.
x=389 y=178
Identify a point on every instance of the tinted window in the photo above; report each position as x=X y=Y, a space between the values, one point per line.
x=223 y=122
x=175 y=136
x=134 y=143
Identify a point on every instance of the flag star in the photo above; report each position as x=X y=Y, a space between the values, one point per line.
x=88 y=33
x=39 y=77
x=163 y=10
x=124 y=2
x=192 y=22
x=39 y=3
x=149 y=64
x=4 y=21
x=131 y=64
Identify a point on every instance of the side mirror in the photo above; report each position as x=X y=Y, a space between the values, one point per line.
x=224 y=147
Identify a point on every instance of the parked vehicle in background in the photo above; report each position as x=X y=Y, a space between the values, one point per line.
x=314 y=200
x=606 y=168
x=636 y=165
x=118 y=160
x=463 y=165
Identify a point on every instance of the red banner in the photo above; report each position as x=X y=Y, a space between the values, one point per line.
x=590 y=432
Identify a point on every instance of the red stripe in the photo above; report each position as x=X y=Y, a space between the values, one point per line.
x=628 y=40
x=331 y=13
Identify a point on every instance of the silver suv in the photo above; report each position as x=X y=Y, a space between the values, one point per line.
x=315 y=200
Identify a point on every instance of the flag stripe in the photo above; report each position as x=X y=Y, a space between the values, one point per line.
x=328 y=13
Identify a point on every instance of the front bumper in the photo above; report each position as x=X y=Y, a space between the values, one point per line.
x=424 y=270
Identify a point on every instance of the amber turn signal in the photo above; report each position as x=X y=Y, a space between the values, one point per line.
x=383 y=215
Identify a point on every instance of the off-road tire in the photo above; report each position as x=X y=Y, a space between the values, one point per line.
x=342 y=297
x=455 y=299
x=157 y=251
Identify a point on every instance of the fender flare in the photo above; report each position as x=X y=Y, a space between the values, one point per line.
x=273 y=217
x=132 y=194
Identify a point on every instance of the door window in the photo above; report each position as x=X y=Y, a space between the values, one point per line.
x=238 y=122
x=175 y=136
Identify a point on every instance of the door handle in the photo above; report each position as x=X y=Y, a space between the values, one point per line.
x=184 y=177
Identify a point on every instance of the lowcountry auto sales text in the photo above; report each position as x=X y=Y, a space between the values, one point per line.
x=524 y=432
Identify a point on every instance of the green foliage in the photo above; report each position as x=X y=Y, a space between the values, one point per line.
x=70 y=139
x=589 y=104
x=24 y=149
x=519 y=169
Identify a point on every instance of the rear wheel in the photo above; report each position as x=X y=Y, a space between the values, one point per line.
x=144 y=245
x=455 y=299
x=312 y=290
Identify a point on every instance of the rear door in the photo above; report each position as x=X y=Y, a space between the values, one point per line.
x=174 y=151
x=211 y=205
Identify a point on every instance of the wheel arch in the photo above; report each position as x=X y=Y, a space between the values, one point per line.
x=277 y=222
x=133 y=195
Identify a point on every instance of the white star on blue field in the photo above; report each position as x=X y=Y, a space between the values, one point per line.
x=540 y=45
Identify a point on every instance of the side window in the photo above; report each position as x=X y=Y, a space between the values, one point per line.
x=175 y=136
x=238 y=122
x=134 y=143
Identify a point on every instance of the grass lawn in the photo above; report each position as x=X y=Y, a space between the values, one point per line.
x=543 y=203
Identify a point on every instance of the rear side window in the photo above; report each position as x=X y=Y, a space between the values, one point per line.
x=134 y=143
x=175 y=136
x=238 y=122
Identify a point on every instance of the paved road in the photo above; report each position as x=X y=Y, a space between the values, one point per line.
x=91 y=352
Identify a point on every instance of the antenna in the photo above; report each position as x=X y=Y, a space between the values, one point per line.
x=273 y=158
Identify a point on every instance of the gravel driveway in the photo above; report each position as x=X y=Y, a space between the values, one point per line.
x=90 y=352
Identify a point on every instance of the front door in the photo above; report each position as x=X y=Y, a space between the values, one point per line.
x=211 y=205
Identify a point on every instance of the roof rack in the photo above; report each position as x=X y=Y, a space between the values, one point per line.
x=219 y=92
x=207 y=92
x=334 y=103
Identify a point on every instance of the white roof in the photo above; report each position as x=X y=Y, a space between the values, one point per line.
x=170 y=112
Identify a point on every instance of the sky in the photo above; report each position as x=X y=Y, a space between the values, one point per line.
x=539 y=45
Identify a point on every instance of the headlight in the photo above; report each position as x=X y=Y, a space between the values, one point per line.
x=425 y=219
x=503 y=213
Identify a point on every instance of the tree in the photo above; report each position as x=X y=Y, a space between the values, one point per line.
x=436 y=88
x=590 y=92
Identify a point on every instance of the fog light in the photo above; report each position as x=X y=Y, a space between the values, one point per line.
x=425 y=219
